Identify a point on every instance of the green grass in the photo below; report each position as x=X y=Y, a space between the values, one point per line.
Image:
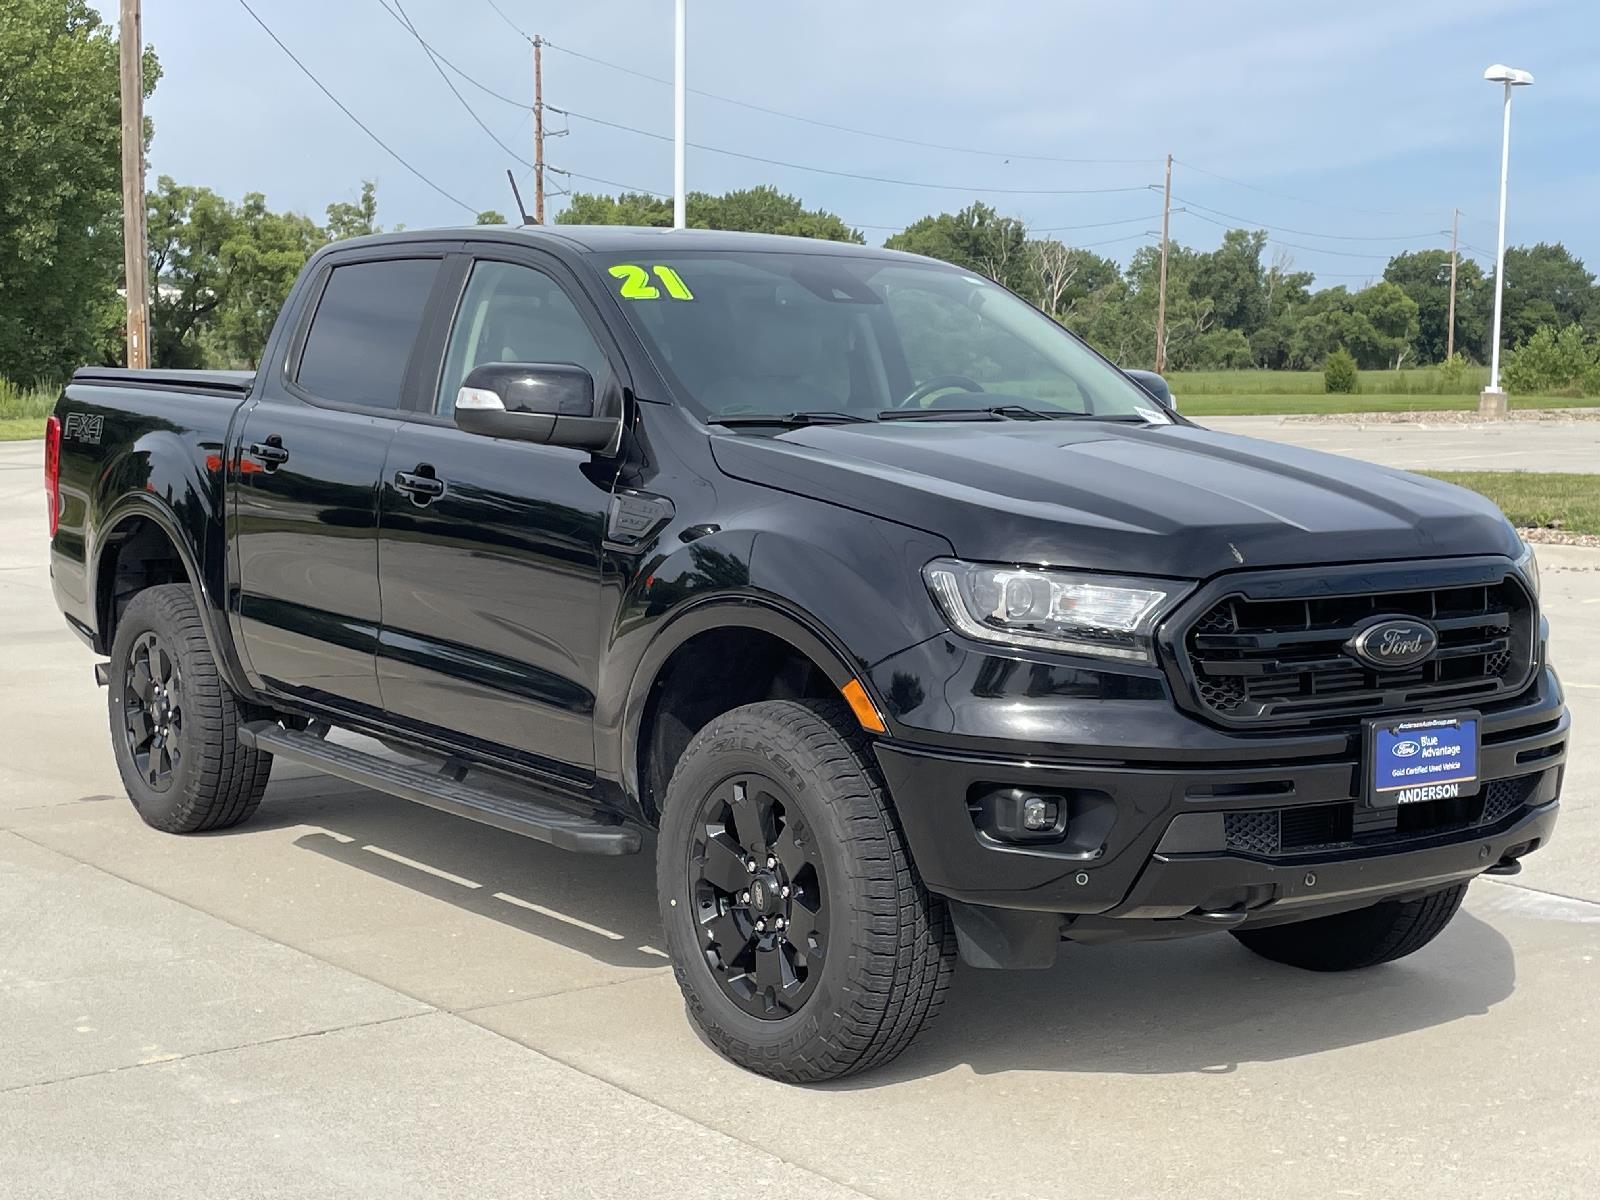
x=1418 y=381
x=23 y=410
x=1537 y=499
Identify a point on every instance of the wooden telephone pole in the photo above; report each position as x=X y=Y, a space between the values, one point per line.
x=538 y=130
x=1161 y=295
x=1450 y=327
x=134 y=238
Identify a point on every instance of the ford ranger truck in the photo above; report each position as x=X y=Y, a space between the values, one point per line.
x=913 y=629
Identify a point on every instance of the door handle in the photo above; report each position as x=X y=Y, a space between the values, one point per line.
x=421 y=485
x=270 y=452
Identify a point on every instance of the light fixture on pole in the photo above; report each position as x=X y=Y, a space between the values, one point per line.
x=679 y=54
x=1492 y=403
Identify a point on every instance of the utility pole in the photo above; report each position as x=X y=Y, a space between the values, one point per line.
x=538 y=130
x=134 y=239
x=679 y=104
x=1161 y=295
x=1450 y=328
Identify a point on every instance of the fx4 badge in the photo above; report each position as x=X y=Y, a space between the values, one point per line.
x=81 y=427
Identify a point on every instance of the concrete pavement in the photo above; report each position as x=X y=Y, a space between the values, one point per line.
x=1437 y=445
x=352 y=996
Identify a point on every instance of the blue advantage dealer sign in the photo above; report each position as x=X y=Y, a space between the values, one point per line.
x=1435 y=758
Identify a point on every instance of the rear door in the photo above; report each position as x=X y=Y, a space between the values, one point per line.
x=305 y=482
x=492 y=613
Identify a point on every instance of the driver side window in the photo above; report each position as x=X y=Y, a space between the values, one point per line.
x=514 y=314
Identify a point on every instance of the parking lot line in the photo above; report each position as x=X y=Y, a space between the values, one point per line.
x=558 y=916
x=422 y=866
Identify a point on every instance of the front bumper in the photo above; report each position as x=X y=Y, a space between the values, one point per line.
x=1168 y=842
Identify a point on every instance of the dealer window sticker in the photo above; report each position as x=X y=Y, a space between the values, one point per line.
x=636 y=283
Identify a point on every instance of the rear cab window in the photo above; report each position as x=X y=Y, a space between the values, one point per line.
x=366 y=325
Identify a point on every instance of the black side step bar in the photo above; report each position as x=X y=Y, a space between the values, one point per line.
x=531 y=816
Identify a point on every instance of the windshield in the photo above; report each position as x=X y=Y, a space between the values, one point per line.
x=745 y=334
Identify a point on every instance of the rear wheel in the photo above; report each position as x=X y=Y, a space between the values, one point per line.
x=174 y=724
x=1363 y=938
x=803 y=940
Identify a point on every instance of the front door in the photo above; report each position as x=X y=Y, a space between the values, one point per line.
x=305 y=481
x=490 y=551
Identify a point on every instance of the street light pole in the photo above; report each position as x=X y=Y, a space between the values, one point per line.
x=679 y=54
x=1492 y=402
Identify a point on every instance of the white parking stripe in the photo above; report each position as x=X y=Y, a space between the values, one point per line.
x=557 y=916
x=421 y=866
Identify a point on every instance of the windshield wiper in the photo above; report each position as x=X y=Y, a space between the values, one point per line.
x=792 y=420
x=1000 y=412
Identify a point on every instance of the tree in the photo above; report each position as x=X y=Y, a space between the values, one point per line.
x=977 y=238
x=1339 y=373
x=188 y=228
x=754 y=210
x=489 y=216
x=630 y=208
x=261 y=258
x=60 y=178
x=1232 y=279
x=1424 y=275
x=1062 y=276
x=360 y=219
x=1545 y=285
x=1551 y=361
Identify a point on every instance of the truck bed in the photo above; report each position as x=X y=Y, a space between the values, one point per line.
x=226 y=383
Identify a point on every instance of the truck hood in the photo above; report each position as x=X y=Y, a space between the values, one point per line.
x=1173 y=500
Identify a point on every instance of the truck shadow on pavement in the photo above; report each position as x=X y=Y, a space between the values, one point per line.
x=1203 y=1004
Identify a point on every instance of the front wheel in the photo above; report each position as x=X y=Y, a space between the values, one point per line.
x=1365 y=937
x=802 y=938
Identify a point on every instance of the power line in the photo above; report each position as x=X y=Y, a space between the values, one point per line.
x=776 y=162
x=887 y=137
x=608 y=182
x=502 y=12
x=1342 y=237
x=1297 y=245
x=1255 y=187
x=399 y=14
x=473 y=80
x=360 y=124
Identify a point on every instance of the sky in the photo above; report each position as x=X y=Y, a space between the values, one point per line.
x=1350 y=130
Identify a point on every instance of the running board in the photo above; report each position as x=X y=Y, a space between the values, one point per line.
x=529 y=815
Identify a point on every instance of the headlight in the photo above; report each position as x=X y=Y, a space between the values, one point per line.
x=1528 y=564
x=1108 y=616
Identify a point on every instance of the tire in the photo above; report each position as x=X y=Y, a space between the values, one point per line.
x=864 y=954
x=1365 y=937
x=199 y=776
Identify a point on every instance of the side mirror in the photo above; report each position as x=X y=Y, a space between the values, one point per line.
x=552 y=404
x=1156 y=386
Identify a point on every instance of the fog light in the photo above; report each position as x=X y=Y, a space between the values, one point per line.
x=1039 y=813
x=1014 y=814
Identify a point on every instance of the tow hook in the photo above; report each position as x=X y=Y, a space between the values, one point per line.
x=102 y=674
x=1506 y=866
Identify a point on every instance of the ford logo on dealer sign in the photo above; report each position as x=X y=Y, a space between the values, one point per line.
x=1401 y=642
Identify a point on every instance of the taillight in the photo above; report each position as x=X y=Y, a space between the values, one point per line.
x=52 y=470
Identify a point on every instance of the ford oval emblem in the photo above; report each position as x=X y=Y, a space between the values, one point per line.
x=1395 y=643
x=1405 y=749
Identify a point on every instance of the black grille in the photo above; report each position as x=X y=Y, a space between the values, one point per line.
x=1257 y=661
x=1317 y=828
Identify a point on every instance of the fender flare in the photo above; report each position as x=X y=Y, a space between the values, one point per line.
x=802 y=631
x=148 y=506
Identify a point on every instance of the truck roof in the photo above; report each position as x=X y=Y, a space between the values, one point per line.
x=621 y=239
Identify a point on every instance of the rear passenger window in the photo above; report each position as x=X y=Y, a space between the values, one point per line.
x=364 y=329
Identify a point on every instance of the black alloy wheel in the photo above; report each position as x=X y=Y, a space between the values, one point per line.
x=759 y=897
x=152 y=710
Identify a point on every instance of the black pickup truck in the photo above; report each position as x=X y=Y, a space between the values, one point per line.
x=911 y=627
